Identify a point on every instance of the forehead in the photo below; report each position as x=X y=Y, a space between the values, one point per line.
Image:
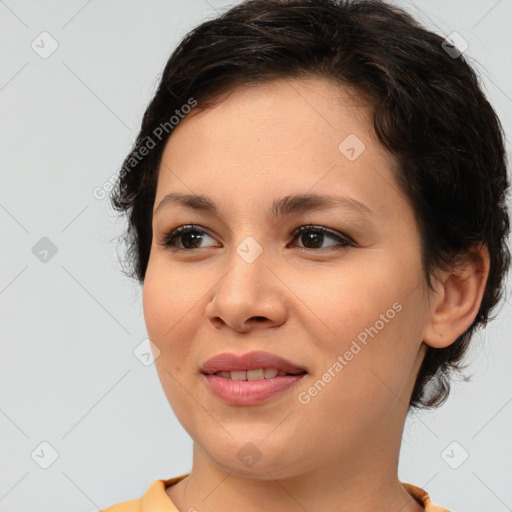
x=294 y=134
x=305 y=102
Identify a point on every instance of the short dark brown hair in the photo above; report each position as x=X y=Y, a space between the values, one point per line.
x=429 y=112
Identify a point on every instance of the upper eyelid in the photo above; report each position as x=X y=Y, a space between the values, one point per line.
x=325 y=230
x=303 y=227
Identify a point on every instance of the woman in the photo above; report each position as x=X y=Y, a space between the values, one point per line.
x=316 y=205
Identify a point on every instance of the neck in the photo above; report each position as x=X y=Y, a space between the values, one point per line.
x=364 y=479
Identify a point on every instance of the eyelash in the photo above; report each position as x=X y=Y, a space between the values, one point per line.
x=345 y=241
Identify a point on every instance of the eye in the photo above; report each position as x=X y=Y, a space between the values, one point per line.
x=316 y=235
x=190 y=236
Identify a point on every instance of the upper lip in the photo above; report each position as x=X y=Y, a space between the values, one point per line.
x=230 y=362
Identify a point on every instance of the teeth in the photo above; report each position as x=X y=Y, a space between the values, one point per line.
x=255 y=374
x=259 y=374
x=270 y=373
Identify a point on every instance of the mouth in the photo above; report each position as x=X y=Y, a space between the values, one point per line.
x=257 y=374
x=250 y=379
x=250 y=366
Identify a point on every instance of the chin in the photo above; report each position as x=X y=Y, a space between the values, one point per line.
x=247 y=460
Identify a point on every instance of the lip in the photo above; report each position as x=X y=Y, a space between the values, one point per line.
x=230 y=362
x=249 y=392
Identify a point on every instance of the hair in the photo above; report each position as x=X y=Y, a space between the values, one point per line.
x=428 y=110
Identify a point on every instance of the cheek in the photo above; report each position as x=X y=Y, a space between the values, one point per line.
x=158 y=308
x=346 y=302
x=372 y=321
x=165 y=314
x=168 y=314
x=169 y=297
x=173 y=305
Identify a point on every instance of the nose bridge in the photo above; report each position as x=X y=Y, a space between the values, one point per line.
x=247 y=290
x=248 y=270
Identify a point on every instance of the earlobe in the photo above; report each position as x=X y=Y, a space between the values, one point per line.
x=457 y=298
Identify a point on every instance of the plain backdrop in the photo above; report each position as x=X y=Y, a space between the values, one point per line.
x=84 y=422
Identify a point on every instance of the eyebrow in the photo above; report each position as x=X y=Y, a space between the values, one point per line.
x=293 y=203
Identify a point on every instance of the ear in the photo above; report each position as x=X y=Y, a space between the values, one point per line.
x=456 y=301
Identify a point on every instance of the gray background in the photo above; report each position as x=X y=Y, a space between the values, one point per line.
x=70 y=324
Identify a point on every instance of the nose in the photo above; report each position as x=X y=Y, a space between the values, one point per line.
x=248 y=296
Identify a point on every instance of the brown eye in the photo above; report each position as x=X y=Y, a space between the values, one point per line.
x=313 y=237
x=189 y=236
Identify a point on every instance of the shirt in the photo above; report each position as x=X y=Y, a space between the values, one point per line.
x=155 y=499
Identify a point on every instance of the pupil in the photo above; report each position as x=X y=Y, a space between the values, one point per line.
x=191 y=236
x=315 y=238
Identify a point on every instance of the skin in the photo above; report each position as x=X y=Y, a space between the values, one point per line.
x=339 y=451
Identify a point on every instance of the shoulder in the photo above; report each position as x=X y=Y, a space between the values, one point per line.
x=125 y=506
x=155 y=498
x=423 y=498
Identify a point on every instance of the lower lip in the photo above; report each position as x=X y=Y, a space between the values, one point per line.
x=250 y=392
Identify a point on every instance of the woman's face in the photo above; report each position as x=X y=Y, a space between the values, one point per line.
x=348 y=306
